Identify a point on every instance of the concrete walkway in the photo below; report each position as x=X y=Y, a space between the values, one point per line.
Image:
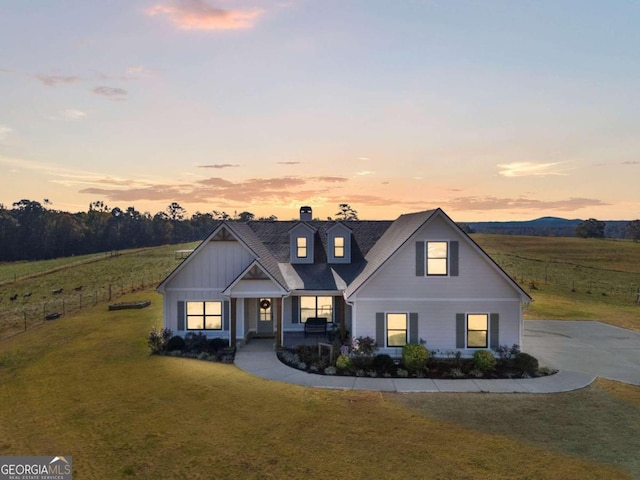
x=259 y=358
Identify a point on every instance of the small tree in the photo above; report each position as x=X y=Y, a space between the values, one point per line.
x=633 y=230
x=591 y=228
x=347 y=213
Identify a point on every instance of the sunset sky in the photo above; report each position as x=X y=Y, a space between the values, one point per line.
x=491 y=110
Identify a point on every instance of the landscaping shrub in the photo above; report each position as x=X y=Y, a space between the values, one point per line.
x=195 y=342
x=308 y=354
x=343 y=362
x=361 y=363
x=508 y=353
x=176 y=343
x=365 y=346
x=525 y=362
x=383 y=363
x=158 y=339
x=415 y=357
x=484 y=361
x=217 y=344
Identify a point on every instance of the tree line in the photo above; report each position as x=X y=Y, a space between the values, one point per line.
x=31 y=231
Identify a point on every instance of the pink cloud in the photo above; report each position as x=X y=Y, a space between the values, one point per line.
x=54 y=80
x=199 y=15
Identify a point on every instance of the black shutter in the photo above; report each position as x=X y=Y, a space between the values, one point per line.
x=494 y=331
x=419 y=259
x=181 y=313
x=225 y=315
x=453 y=261
x=460 y=330
x=295 y=310
x=380 y=336
x=338 y=309
x=413 y=328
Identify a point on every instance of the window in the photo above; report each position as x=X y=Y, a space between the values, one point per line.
x=477 y=330
x=396 y=329
x=301 y=247
x=316 y=307
x=437 y=256
x=338 y=247
x=204 y=315
x=265 y=313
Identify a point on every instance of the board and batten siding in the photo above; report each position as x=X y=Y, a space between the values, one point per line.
x=477 y=277
x=217 y=265
x=436 y=321
x=479 y=287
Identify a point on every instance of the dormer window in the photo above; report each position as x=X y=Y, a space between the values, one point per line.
x=338 y=247
x=301 y=247
x=339 y=243
x=301 y=244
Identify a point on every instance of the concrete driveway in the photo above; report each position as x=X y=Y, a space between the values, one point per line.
x=584 y=346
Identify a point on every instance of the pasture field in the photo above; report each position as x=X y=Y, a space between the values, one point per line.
x=86 y=386
x=83 y=281
x=572 y=278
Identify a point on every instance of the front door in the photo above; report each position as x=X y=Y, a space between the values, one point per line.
x=265 y=317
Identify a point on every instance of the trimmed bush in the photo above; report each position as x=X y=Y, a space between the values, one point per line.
x=525 y=362
x=383 y=363
x=195 y=342
x=343 y=362
x=484 y=361
x=175 y=343
x=415 y=357
x=217 y=344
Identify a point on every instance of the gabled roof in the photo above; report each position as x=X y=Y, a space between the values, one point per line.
x=394 y=237
x=400 y=232
x=248 y=271
x=373 y=244
x=240 y=232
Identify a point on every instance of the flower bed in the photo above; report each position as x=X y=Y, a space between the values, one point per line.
x=163 y=342
x=417 y=362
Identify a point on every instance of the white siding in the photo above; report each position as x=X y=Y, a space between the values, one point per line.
x=255 y=288
x=215 y=266
x=437 y=321
x=479 y=288
x=477 y=277
x=204 y=278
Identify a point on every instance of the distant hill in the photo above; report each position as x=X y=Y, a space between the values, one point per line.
x=546 y=227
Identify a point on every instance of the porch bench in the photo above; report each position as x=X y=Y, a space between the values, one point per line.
x=315 y=326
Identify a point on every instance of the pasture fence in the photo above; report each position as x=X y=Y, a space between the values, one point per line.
x=532 y=274
x=33 y=312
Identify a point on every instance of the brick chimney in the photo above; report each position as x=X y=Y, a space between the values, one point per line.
x=306 y=214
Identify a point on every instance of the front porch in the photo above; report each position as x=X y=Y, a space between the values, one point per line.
x=271 y=317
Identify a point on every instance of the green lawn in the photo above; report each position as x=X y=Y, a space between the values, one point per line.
x=86 y=386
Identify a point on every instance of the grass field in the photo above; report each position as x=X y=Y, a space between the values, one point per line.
x=572 y=278
x=86 y=386
x=102 y=277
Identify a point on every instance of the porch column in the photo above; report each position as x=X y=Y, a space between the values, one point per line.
x=278 y=314
x=232 y=321
x=341 y=314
